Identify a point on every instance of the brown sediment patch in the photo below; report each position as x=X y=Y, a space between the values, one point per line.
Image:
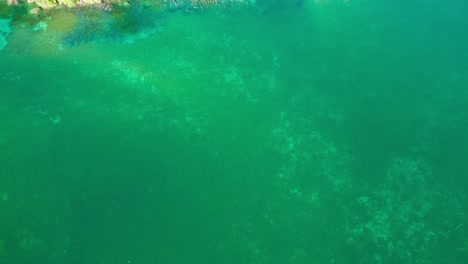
x=62 y=22
x=24 y=42
x=41 y=40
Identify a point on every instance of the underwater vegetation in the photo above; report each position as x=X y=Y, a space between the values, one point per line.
x=95 y=25
x=4 y=31
x=115 y=21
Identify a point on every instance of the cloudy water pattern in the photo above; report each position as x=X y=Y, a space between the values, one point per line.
x=314 y=131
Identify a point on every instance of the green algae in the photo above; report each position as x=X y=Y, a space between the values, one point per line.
x=5 y=30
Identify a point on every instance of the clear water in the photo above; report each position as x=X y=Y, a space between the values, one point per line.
x=280 y=132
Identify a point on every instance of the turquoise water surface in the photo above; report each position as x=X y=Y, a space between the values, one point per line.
x=307 y=131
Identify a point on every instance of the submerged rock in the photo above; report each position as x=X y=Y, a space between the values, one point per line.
x=35 y=11
x=12 y=2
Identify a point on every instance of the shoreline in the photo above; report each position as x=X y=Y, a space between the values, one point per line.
x=37 y=6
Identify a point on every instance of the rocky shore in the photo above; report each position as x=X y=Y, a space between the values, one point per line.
x=74 y=22
x=38 y=5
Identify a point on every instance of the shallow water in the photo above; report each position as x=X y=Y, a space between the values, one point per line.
x=316 y=132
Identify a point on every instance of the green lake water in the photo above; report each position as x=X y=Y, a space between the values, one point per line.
x=276 y=132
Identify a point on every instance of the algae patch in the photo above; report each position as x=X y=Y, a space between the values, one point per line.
x=5 y=30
